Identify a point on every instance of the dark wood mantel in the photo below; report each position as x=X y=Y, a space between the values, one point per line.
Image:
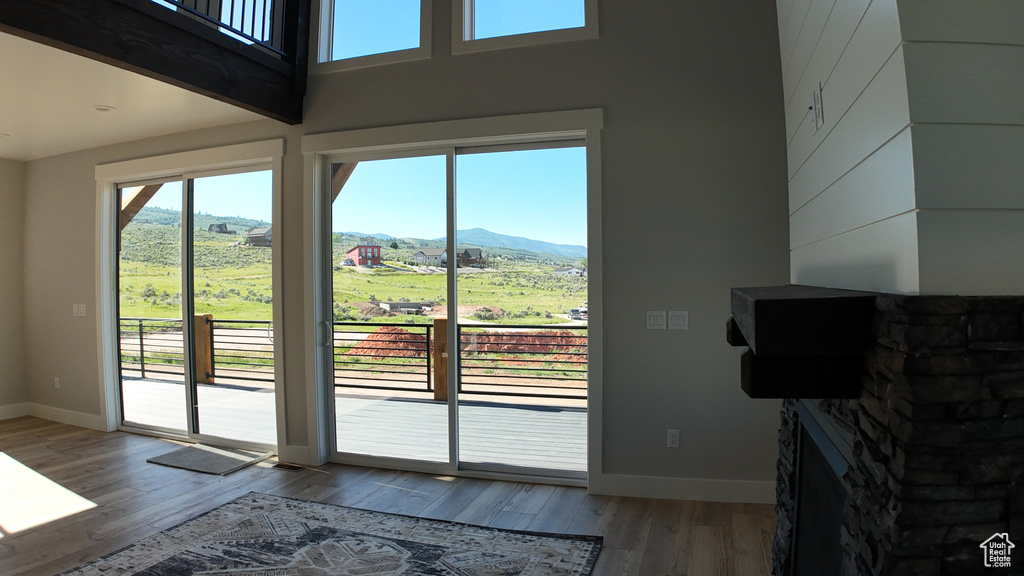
x=805 y=341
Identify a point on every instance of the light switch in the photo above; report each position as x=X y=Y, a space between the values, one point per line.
x=678 y=320
x=656 y=320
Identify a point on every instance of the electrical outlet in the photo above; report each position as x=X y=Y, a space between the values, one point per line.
x=673 y=438
x=56 y=383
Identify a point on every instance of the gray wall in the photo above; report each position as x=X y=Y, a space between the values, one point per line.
x=694 y=203
x=13 y=389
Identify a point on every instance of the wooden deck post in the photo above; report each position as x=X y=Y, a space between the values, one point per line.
x=204 y=348
x=440 y=359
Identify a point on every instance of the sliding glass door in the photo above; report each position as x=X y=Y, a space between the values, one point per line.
x=152 y=341
x=389 y=291
x=195 y=308
x=459 y=308
x=522 y=293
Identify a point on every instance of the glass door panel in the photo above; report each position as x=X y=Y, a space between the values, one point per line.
x=389 y=294
x=522 y=291
x=151 y=342
x=233 y=314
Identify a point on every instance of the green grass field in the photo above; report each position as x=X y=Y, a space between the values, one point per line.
x=234 y=281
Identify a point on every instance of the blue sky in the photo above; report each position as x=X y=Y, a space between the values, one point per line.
x=247 y=195
x=537 y=194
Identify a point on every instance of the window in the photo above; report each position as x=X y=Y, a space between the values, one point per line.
x=493 y=24
x=358 y=33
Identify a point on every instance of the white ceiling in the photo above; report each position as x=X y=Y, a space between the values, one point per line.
x=48 y=99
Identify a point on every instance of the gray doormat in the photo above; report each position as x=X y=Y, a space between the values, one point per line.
x=210 y=460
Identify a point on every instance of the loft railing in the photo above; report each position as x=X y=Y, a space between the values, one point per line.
x=260 y=22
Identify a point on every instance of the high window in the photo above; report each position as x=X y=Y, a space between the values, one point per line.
x=361 y=33
x=357 y=33
x=493 y=24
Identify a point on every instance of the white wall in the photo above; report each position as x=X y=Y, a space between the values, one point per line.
x=851 y=188
x=965 y=80
x=912 y=185
x=694 y=203
x=13 y=389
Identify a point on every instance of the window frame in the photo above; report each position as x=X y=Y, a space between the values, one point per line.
x=246 y=157
x=543 y=130
x=462 y=25
x=324 y=38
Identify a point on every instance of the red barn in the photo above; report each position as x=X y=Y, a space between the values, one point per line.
x=367 y=252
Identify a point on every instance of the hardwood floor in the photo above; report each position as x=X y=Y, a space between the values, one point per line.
x=134 y=499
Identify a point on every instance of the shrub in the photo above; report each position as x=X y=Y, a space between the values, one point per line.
x=485 y=314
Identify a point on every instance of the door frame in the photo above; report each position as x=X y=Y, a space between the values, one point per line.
x=237 y=158
x=319 y=149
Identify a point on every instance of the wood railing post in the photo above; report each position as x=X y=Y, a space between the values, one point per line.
x=204 y=348
x=441 y=359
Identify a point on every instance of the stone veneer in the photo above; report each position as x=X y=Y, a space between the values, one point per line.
x=937 y=437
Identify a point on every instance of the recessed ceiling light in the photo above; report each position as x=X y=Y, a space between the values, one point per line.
x=103 y=108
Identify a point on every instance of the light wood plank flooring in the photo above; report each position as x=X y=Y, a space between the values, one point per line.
x=134 y=499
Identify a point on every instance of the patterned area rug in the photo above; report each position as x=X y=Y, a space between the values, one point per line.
x=264 y=535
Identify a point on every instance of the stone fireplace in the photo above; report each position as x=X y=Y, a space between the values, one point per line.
x=925 y=462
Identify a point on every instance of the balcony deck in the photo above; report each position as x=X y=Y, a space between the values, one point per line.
x=539 y=434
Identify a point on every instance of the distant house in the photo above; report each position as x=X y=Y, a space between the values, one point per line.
x=220 y=229
x=258 y=237
x=432 y=257
x=473 y=257
x=570 y=271
x=405 y=307
x=366 y=253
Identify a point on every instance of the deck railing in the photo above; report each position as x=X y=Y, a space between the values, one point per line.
x=547 y=361
x=381 y=356
x=538 y=361
x=152 y=348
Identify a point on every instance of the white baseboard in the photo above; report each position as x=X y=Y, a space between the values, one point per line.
x=80 y=419
x=15 y=411
x=704 y=490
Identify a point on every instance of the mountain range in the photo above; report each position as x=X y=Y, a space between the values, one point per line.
x=485 y=238
x=488 y=239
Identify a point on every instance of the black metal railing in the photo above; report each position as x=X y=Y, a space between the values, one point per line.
x=383 y=356
x=260 y=22
x=494 y=360
x=242 y=350
x=239 y=350
x=536 y=361
x=152 y=348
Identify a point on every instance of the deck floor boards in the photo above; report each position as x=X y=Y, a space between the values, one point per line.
x=528 y=435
